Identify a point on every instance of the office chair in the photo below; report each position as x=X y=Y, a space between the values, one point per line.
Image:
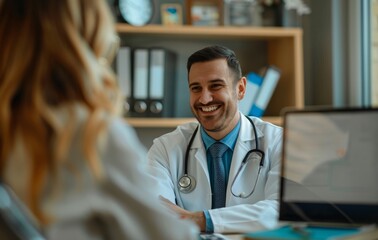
x=15 y=223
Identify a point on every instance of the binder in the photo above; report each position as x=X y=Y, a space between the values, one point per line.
x=254 y=82
x=123 y=71
x=140 y=82
x=269 y=83
x=162 y=74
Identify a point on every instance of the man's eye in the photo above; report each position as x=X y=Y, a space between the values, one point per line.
x=216 y=86
x=195 y=89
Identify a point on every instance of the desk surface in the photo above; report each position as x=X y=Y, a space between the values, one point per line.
x=369 y=232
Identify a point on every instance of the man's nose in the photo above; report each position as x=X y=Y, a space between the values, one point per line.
x=206 y=97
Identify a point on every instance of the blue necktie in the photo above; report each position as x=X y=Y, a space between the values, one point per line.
x=219 y=192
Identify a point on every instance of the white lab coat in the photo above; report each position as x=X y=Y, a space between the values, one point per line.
x=259 y=211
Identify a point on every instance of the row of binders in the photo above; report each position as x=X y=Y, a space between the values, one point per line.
x=259 y=91
x=146 y=79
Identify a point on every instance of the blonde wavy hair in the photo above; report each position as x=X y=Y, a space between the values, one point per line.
x=53 y=56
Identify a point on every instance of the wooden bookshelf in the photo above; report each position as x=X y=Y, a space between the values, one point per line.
x=255 y=47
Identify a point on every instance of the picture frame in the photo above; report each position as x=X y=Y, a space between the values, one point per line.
x=204 y=12
x=171 y=14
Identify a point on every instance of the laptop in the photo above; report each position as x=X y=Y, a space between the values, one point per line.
x=329 y=173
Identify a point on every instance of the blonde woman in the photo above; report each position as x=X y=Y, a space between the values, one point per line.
x=63 y=149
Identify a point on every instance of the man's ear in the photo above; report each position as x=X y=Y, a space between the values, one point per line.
x=241 y=87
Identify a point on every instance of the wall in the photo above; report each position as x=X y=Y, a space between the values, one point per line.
x=374 y=31
x=334 y=64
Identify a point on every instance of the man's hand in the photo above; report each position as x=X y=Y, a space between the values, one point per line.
x=197 y=217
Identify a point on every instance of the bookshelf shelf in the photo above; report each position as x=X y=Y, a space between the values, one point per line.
x=255 y=47
x=217 y=31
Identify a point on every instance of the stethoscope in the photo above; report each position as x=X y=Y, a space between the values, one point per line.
x=187 y=183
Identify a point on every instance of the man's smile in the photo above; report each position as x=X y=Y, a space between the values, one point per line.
x=210 y=108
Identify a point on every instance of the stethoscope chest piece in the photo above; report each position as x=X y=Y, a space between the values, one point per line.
x=186 y=183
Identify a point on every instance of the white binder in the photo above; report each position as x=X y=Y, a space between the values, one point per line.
x=161 y=82
x=140 y=82
x=123 y=71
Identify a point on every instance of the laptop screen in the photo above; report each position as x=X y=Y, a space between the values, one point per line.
x=330 y=166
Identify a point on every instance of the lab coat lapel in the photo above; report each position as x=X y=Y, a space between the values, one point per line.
x=200 y=155
x=200 y=169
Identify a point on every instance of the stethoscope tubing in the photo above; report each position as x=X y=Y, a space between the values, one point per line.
x=187 y=178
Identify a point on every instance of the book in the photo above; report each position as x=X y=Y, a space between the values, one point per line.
x=254 y=82
x=269 y=83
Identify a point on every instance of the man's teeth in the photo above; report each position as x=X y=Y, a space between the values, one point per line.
x=209 y=109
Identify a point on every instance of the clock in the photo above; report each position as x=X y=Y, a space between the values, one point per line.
x=136 y=12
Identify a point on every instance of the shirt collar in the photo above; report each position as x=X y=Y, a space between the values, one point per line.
x=229 y=139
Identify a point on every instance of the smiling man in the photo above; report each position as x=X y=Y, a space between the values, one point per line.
x=222 y=172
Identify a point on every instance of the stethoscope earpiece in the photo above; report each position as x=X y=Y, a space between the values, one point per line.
x=186 y=183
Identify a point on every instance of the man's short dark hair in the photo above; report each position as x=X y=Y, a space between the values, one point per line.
x=216 y=52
